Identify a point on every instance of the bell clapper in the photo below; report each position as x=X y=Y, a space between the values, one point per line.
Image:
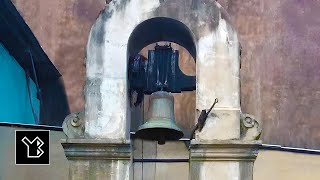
x=162 y=140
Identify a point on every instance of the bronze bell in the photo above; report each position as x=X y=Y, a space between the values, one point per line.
x=161 y=125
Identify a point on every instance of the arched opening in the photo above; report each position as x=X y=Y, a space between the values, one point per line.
x=163 y=30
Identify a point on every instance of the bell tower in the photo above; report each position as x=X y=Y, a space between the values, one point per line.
x=99 y=146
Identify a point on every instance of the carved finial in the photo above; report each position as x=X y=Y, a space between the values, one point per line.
x=250 y=128
x=73 y=125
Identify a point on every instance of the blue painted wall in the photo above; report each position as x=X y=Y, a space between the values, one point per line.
x=15 y=105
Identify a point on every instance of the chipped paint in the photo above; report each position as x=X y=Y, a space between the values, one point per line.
x=107 y=62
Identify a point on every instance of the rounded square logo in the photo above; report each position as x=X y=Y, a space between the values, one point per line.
x=32 y=147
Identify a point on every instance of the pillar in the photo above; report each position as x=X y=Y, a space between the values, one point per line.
x=97 y=159
x=94 y=158
x=223 y=159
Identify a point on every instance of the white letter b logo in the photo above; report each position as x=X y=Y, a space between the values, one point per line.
x=33 y=146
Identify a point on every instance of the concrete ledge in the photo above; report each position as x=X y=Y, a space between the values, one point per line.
x=226 y=150
x=95 y=149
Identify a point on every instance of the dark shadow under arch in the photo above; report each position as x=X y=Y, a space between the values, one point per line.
x=161 y=29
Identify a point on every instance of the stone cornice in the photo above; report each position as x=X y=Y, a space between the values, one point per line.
x=92 y=149
x=226 y=150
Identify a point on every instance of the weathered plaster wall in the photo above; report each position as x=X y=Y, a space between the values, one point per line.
x=280 y=66
x=62 y=28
